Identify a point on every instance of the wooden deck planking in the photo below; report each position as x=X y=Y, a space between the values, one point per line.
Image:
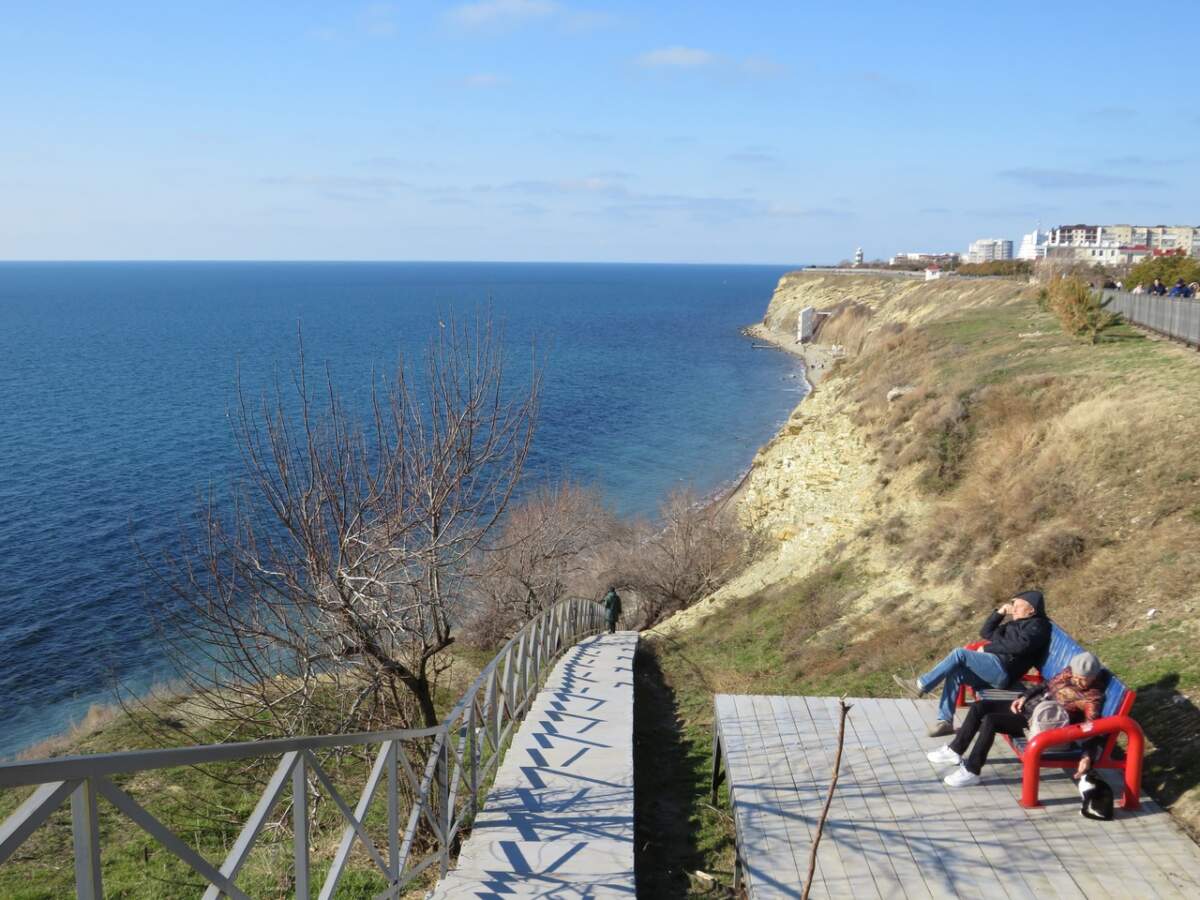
x=971 y=855
x=933 y=881
x=903 y=833
x=805 y=806
x=757 y=794
x=850 y=804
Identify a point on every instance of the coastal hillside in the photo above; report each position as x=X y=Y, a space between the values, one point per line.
x=963 y=448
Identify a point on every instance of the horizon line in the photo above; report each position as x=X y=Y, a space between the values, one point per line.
x=515 y=262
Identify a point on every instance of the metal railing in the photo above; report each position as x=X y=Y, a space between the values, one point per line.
x=466 y=749
x=1174 y=317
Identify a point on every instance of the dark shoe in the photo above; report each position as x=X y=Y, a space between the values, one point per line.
x=942 y=729
x=910 y=685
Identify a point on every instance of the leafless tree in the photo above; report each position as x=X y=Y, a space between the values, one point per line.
x=549 y=547
x=323 y=598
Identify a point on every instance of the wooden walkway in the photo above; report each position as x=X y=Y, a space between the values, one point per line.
x=558 y=821
x=894 y=830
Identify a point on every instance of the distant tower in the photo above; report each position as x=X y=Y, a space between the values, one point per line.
x=858 y=257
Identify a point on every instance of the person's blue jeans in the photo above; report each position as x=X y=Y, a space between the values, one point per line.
x=971 y=667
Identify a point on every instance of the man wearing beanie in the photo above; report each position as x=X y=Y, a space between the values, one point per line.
x=1019 y=636
x=1078 y=689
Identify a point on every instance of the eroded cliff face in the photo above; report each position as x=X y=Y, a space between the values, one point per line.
x=891 y=298
x=818 y=482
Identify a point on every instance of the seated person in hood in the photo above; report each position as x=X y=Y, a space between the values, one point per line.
x=1019 y=636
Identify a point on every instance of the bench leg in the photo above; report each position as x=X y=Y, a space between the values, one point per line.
x=717 y=775
x=1134 y=751
x=1030 y=770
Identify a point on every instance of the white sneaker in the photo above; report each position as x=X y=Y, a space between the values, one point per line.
x=961 y=777
x=943 y=756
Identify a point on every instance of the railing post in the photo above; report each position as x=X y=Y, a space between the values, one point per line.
x=503 y=697
x=473 y=750
x=85 y=830
x=300 y=825
x=444 y=810
x=393 y=800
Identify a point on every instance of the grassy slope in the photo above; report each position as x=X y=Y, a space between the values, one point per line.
x=207 y=809
x=1018 y=457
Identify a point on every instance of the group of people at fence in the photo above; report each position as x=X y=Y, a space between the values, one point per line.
x=1179 y=289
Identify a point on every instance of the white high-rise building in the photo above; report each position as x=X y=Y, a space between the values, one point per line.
x=1033 y=245
x=989 y=249
x=858 y=256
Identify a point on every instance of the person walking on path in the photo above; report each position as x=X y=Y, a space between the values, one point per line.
x=1018 y=635
x=612 y=608
x=1079 y=689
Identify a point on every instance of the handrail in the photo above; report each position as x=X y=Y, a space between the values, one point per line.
x=467 y=746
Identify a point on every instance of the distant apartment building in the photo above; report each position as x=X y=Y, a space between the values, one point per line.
x=1121 y=244
x=989 y=250
x=858 y=256
x=938 y=259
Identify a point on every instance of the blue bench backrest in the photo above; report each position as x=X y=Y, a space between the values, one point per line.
x=1058 y=657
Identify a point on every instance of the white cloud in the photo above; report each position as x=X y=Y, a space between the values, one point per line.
x=677 y=58
x=498 y=12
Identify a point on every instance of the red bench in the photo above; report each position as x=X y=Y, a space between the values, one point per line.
x=1058 y=749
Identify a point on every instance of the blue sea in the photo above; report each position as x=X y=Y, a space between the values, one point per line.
x=116 y=379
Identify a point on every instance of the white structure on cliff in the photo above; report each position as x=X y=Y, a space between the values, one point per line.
x=989 y=250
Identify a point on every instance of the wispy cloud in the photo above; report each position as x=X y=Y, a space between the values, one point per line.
x=1066 y=180
x=676 y=58
x=381 y=19
x=1136 y=161
x=1111 y=112
x=753 y=156
x=760 y=65
x=350 y=188
x=483 y=80
x=375 y=20
x=490 y=13
x=1026 y=212
x=679 y=57
x=579 y=137
x=592 y=184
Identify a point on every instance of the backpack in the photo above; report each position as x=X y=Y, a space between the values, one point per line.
x=1047 y=715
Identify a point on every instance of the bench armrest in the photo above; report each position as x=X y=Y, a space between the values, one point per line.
x=1031 y=758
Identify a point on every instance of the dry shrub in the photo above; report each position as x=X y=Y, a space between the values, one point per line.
x=552 y=545
x=1079 y=309
x=694 y=550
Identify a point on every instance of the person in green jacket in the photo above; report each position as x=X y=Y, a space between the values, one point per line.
x=612 y=608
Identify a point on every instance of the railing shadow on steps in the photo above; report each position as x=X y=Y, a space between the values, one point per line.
x=466 y=749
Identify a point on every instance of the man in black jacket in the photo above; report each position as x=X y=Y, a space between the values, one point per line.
x=1019 y=636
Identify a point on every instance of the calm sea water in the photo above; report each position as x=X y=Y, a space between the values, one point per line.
x=115 y=379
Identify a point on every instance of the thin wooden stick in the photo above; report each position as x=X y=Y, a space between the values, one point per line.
x=837 y=764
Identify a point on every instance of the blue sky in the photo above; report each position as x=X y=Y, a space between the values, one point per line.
x=546 y=130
